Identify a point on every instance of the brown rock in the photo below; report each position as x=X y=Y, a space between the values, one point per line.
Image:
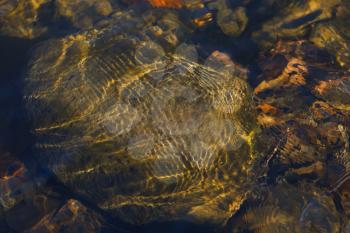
x=293 y=75
x=301 y=145
x=321 y=110
x=336 y=91
x=222 y=62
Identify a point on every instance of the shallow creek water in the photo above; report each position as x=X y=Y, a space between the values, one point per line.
x=171 y=116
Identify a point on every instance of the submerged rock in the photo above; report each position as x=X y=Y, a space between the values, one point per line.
x=292 y=20
x=84 y=14
x=335 y=91
x=333 y=35
x=143 y=133
x=22 y=200
x=29 y=211
x=232 y=21
x=16 y=184
x=285 y=208
x=30 y=19
x=71 y=217
x=306 y=116
x=21 y=18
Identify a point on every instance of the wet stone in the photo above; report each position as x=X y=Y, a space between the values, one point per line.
x=71 y=217
x=308 y=209
x=336 y=92
x=141 y=132
x=84 y=14
x=16 y=183
x=21 y=202
x=333 y=35
x=231 y=20
x=222 y=62
x=292 y=20
x=21 y=18
x=29 y=211
x=144 y=116
x=32 y=19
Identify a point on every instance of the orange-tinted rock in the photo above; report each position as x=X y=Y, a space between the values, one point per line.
x=268 y=115
x=203 y=20
x=267 y=108
x=317 y=168
x=166 y=3
x=268 y=121
x=322 y=110
x=322 y=87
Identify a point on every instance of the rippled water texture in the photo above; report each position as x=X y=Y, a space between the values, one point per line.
x=172 y=116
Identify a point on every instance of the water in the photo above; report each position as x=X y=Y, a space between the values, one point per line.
x=174 y=116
